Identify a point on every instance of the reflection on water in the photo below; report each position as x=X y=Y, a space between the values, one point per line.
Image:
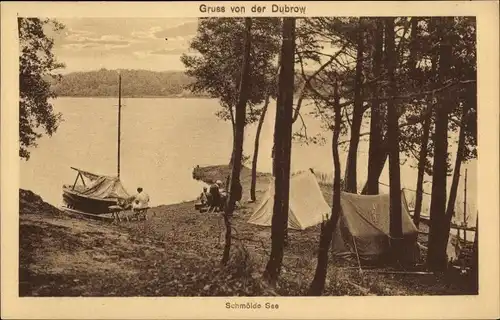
x=162 y=140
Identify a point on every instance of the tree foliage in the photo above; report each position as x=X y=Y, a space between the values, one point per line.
x=416 y=89
x=216 y=70
x=36 y=63
x=460 y=86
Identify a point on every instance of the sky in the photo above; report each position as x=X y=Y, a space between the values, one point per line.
x=129 y=43
x=112 y=43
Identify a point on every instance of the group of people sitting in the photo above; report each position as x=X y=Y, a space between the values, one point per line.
x=215 y=196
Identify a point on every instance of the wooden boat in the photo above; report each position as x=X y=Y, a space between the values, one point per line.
x=94 y=196
x=73 y=200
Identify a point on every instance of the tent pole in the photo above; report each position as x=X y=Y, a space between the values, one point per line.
x=357 y=256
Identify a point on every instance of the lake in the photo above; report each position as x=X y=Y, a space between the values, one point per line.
x=163 y=139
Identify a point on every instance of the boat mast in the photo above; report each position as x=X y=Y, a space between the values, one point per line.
x=119 y=117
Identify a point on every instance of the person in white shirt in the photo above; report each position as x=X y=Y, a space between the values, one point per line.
x=140 y=202
x=204 y=196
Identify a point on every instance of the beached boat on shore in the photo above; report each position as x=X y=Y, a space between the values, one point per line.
x=94 y=196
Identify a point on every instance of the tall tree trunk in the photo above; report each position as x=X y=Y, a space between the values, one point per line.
x=231 y=159
x=283 y=145
x=327 y=229
x=422 y=157
x=378 y=163
x=424 y=145
x=238 y=139
x=396 y=226
x=376 y=119
x=233 y=131
x=413 y=48
x=256 y=148
x=436 y=255
x=357 y=116
x=273 y=154
x=450 y=210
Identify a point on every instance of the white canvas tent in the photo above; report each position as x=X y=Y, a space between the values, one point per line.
x=307 y=206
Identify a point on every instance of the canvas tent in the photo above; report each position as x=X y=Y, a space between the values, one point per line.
x=363 y=227
x=307 y=206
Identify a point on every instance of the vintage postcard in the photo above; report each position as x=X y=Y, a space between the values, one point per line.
x=323 y=160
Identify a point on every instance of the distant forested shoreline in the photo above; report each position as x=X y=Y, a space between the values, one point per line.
x=135 y=83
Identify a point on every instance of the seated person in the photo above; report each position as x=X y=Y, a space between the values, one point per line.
x=215 y=195
x=140 y=201
x=204 y=196
x=204 y=200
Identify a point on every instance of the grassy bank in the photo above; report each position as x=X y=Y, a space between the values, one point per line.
x=177 y=252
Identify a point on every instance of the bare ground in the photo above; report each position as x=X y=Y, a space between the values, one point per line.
x=176 y=252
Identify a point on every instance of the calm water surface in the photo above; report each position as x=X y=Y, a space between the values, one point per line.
x=163 y=139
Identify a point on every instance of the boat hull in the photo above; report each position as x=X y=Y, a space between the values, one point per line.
x=74 y=200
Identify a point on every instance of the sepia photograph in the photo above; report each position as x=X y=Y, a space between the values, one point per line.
x=248 y=156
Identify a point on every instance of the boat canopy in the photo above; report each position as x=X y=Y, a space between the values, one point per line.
x=103 y=187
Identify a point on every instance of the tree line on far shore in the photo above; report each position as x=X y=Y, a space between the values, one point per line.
x=136 y=83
